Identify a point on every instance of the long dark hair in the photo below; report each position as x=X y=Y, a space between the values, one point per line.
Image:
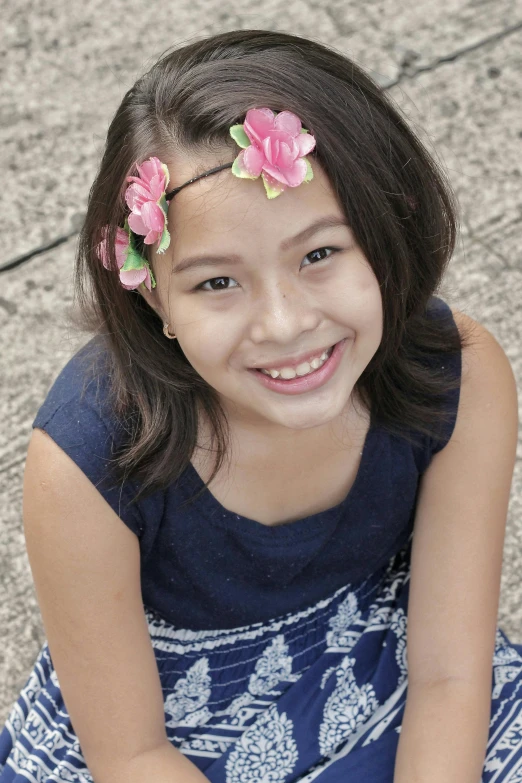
x=399 y=204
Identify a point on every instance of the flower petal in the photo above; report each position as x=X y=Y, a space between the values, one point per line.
x=157 y=186
x=152 y=237
x=137 y=194
x=253 y=160
x=285 y=158
x=275 y=174
x=281 y=135
x=238 y=167
x=271 y=149
x=136 y=224
x=153 y=216
x=121 y=246
x=276 y=138
x=297 y=173
x=289 y=122
x=133 y=278
x=305 y=143
x=150 y=168
x=257 y=123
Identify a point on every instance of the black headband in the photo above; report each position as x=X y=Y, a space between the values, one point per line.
x=172 y=193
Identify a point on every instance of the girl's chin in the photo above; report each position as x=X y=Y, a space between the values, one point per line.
x=292 y=413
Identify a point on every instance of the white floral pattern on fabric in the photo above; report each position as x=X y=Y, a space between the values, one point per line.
x=304 y=691
x=186 y=706
x=274 y=666
x=508 y=744
x=341 y=632
x=265 y=753
x=346 y=708
x=507 y=664
x=399 y=626
x=167 y=639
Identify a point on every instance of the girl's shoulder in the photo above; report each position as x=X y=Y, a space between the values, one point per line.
x=77 y=415
x=83 y=383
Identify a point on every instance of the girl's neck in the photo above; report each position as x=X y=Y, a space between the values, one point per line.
x=252 y=444
x=279 y=480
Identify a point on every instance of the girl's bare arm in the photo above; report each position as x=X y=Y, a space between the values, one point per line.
x=164 y=764
x=86 y=568
x=456 y=567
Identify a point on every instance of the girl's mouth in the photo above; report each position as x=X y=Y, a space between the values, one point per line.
x=307 y=376
x=305 y=368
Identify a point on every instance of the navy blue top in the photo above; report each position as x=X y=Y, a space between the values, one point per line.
x=204 y=567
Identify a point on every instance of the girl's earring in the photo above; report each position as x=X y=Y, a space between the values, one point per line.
x=167 y=333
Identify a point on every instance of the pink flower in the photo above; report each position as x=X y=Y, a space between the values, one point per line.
x=121 y=247
x=143 y=198
x=133 y=277
x=277 y=148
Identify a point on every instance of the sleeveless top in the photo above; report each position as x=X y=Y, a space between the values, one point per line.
x=204 y=567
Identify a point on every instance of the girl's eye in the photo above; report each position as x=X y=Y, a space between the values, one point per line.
x=320 y=254
x=216 y=284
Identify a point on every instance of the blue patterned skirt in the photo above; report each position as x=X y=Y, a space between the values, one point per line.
x=315 y=695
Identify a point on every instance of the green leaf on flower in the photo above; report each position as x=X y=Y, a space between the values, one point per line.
x=271 y=192
x=133 y=261
x=238 y=134
x=165 y=240
x=303 y=130
x=132 y=237
x=163 y=204
x=309 y=173
x=237 y=171
x=152 y=278
x=166 y=172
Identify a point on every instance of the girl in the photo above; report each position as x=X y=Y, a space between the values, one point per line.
x=265 y=505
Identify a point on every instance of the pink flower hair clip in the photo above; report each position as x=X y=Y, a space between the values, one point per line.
x=146 y=199
x=273 y=146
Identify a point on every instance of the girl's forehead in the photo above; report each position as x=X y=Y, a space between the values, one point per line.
x=229 y=208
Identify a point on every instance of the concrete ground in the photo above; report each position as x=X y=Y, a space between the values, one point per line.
x=454 y=68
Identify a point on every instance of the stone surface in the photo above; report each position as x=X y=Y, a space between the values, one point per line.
x=65 y=67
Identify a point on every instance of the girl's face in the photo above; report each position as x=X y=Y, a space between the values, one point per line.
x=250 y=283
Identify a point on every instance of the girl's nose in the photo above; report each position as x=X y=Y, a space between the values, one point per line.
x=281 y=314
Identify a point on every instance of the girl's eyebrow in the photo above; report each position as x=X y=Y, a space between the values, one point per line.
x=330 y=221
x=193 y=262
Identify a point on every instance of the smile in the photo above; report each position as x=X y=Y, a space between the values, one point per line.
x=305 y=368
x=306 y=377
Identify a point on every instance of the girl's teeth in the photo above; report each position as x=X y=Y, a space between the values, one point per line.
x=303 y=368
x=287 y=373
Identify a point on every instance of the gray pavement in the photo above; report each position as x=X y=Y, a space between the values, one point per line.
x=454 y=68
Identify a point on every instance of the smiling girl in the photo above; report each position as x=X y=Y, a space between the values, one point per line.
x=265 y=505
